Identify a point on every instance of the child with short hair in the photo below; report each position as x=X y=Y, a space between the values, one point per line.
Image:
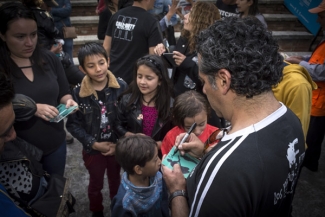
x=189 y=107
x=93 y=125
x=142 y=191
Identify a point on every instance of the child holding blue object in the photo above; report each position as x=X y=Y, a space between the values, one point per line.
x=142 y=191
x=93 y=125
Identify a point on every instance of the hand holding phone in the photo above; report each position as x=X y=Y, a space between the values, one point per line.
x=169 y=58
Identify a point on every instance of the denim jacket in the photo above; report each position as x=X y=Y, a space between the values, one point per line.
x=129 y=120
x=84 y=125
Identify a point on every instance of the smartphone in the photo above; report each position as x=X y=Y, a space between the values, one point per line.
x=170 y=59
x=168 y=54
x=166 y=44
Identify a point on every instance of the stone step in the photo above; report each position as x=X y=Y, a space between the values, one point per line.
x=88 y=7
x=76 y=61
x=87 y=25
x=83 y=7
x=289 y=41
x=283 y=22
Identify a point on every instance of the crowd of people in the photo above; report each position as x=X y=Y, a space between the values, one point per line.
x=137 y=98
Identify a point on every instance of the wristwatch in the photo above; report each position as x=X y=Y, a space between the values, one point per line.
x=176 y=194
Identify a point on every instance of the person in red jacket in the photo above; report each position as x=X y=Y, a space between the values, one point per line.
x=189 y=107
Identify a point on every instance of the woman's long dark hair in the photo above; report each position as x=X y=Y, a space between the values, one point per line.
x=162 y=98
x=253 y=9
x=9 y=12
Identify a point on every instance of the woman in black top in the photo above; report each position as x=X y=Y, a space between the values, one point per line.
x=36 y=73
x=185 y=75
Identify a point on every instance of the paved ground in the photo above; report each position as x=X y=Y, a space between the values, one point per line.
x=309 y=199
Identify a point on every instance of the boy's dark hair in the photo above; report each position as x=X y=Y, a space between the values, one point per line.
x=189 y=104
x=134 y=150
x=90 y=49
x=6 y=90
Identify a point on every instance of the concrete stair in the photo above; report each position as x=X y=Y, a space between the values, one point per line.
x=290 y=33
x=76 y=61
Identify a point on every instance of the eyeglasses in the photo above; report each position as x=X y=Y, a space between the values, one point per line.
x=215 y=137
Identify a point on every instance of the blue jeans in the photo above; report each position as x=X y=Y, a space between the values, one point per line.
x=68 y=47
x=54 y=163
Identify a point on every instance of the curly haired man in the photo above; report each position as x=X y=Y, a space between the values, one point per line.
x=253 y=170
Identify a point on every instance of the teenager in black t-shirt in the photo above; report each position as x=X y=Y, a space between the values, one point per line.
x=227 y=8
x=132 y=33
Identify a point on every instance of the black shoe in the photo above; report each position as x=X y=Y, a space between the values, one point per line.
x=98 y=214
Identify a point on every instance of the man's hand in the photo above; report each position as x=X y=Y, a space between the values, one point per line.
x=174 y=179
x=194 y=146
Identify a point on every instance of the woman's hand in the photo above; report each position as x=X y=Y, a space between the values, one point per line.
x=172 y=9
x=70 y=102
x=56 y=48
x=46 y=112
x=178 y=57
x=159 y=49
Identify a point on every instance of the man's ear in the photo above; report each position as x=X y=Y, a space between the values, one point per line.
x=82 y=69
x=137 y=169
x=224 y=78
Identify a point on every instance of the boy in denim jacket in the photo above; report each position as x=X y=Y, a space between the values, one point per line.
x=142 y=192
x=93 y=124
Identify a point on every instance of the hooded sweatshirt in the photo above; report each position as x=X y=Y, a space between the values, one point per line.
x=295 y=91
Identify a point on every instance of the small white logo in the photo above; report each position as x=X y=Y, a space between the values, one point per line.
x=291 y=152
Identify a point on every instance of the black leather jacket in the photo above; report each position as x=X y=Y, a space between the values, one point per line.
x=84 y=125
x=20 y=150
x=47 y=32
x=187 y=68
x=129 y=121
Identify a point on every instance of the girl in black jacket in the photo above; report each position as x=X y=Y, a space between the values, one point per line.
x=145 y=106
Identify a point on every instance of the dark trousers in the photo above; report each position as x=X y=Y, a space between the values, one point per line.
x=97 y=165
x=54 y=163
x=314 y=140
